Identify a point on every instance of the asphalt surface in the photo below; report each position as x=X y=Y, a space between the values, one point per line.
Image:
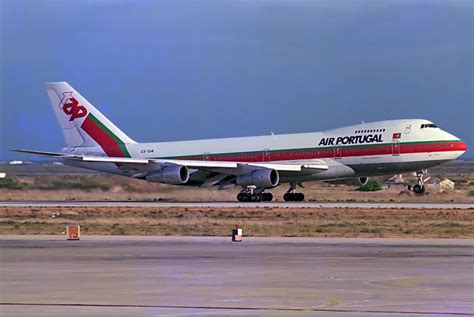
x=214 y=204
x=211 y=276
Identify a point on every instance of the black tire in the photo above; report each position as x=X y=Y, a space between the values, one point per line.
x=243 y=197
x=300 y=197
x=269 y=197
x=418 y=189
x=287 y=197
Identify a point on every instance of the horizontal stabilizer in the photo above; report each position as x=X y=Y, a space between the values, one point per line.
x=53 y=154
x=103 y=159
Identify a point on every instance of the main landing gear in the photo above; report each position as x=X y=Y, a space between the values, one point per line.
x=292 y=195
x=252 y=194
x=255 y=194
x=419 y=188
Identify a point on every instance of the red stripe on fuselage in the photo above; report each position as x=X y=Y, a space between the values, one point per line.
x=106 y=142
x=306 y=154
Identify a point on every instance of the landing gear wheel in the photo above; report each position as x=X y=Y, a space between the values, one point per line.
x=293 y=197
x=244 y=197
x=299 y=197
x=419 y=189
x=255 y=198
x=253 y=194
x=267 y=197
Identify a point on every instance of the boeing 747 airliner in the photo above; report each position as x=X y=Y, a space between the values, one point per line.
x=256 y=164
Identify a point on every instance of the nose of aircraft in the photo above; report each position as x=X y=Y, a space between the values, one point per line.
x=462 y=146
x=459 y=146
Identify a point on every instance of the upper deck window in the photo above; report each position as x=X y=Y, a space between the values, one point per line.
x=369 y=131
x=428 y=125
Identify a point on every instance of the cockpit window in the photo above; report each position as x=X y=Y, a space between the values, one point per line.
x=428 y=125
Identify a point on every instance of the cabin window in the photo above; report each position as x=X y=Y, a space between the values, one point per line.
x=428 y=125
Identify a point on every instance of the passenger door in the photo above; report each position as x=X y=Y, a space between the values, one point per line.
x=395 y=147
x=337 y=152
x=266 y=155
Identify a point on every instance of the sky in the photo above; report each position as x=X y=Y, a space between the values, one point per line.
x=175 y=70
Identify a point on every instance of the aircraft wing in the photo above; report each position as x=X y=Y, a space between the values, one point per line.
x=136 y=167
x=316 y=165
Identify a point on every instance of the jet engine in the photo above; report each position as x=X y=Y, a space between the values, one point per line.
x=174 y=175
x=265 y=178
x=358 y=181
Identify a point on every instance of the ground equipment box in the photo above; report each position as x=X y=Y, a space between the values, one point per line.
x=73 y=232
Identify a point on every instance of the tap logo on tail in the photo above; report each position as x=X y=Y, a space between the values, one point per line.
x=71 y=107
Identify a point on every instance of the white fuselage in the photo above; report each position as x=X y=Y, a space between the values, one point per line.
x=377 y=148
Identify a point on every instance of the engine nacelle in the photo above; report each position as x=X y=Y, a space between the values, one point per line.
x=174 y=175
x=363 y=180
x=265 y=178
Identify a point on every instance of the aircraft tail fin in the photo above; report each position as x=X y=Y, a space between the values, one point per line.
x=82 y=124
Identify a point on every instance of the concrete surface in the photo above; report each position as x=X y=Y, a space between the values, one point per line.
x=211 y=276
x=236 y=204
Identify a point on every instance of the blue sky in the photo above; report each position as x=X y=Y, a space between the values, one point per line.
x=172 y=70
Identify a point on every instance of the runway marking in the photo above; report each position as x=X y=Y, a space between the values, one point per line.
x=429 y=313
x=394 y=280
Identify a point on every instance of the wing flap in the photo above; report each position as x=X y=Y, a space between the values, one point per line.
x=120 y=160
x=289 y=167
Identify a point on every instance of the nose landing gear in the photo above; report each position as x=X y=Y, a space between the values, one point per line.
x=419 y=188
x=292 y=195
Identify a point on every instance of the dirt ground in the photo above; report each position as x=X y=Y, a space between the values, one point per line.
x=284 y=222
x=51 y=182
x=109 y=187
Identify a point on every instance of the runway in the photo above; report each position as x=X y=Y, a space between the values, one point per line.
x=211 y=276
x=214 y=204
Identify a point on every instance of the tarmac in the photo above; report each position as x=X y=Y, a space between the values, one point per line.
x=212 y=276
x=216 y=204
